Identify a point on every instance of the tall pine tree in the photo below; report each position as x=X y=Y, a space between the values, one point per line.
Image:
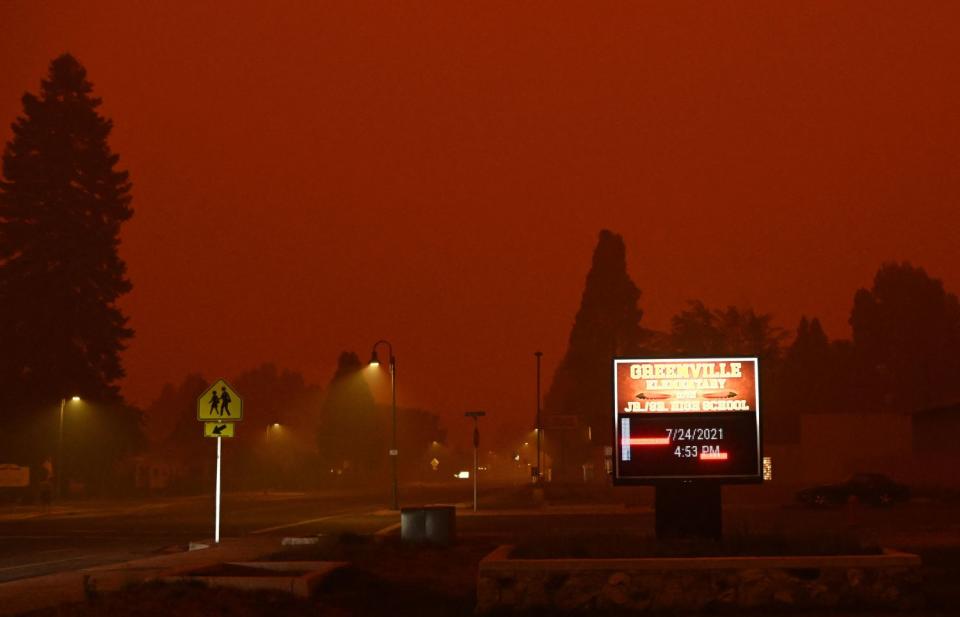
x=805 y=383
x=607 y=325
x=62 y=202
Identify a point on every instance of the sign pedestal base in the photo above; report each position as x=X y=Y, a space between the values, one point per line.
x=688 y=511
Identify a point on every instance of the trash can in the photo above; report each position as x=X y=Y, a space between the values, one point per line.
x=428 y=525
x=413 y=525
x=441 y=524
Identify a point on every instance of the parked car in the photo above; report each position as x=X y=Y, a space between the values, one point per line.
x=872 y=488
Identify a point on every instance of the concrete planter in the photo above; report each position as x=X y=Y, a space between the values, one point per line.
x=890 y=580
x=296 y=577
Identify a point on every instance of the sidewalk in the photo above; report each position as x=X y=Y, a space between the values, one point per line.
x=46 y=591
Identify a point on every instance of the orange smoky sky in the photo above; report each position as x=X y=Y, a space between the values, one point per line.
x=312 y=176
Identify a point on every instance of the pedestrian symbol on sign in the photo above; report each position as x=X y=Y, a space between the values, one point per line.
x=224 y=401
x=220 y=404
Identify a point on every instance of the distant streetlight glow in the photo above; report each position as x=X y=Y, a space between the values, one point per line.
x=374 y=360
x=75 y=399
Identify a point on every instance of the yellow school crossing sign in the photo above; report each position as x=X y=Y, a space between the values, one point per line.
x=220 y=403
x=218 y=408
x=218 y=429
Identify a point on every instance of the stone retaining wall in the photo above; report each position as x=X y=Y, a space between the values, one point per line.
x=891 y=580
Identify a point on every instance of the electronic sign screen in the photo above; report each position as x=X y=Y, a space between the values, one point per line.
x=685 y=419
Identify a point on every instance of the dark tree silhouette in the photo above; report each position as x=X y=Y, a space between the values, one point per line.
x=62 y=202
x=810 y=345
x=906 y=332
x=417 y=431
x=347 y=435
x=808 y=382
x=700 y=331
x=174 y=412
x=281 y=411
x=100 y=440
x=607 y=325
x=273 y=396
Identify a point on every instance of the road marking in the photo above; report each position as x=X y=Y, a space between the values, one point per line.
x=306 y=522
x=47 y=563
x=297 y=524
x=386 y=530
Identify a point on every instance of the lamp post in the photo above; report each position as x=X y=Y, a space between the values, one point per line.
x=538 y=354
x=273 y=463
x=375 y=361
x=60 y=467
x=476 y=415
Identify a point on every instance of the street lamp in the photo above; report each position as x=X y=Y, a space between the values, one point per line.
x=63 y=403
x=272 y=455
x=375 y=361
x=538 y=354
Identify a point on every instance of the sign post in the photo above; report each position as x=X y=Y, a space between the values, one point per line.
x=476 y=415
x=218 y=408
x=216 y=516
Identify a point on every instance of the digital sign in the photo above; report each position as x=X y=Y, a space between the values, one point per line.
x=685 y=419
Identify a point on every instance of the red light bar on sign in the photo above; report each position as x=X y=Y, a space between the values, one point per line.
x=648 y=441
x=713 y=456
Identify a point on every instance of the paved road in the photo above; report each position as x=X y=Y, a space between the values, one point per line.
x=34 y=541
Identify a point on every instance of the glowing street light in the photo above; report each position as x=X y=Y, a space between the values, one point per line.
x=375 y=362
x=60 y=467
